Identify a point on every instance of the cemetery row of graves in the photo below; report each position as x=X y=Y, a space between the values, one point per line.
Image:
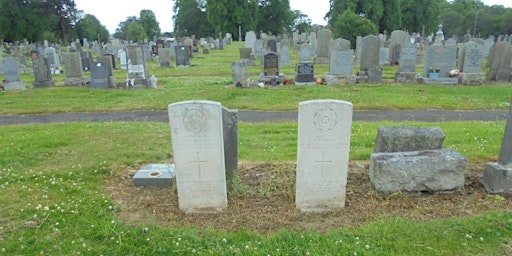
x=205 y=145
x=444 y=61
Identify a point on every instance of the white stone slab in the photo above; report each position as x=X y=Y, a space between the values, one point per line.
x=322 y=154
x=197 y=142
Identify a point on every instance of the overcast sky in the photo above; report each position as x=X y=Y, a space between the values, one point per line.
x=112 y=12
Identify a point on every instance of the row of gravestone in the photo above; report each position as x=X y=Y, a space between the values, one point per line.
x=204 y=142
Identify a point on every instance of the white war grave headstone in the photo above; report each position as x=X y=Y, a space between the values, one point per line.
x=198 y=142
x=322 y=154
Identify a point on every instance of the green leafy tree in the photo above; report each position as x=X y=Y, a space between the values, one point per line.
x=275 y=16
x=90 y=27
x=301 y=22
x=190 y=18
x=392 y=16
x=419 y=14
x=148 y=21
x=372 y=10
x=349 y=25
x=130 y=29
x=228 y=15
x=36 y=19
x=458 y=16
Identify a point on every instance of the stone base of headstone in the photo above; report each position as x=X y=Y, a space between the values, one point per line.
x=305 y=83
x=13 y=86
x=335 y=80
x=416 y=171
x=374 y=75
x=43 y=84
x=137 y=83
x=75 y=81
x=361 y=78
x=406 y=77
x=472 y=79
x=111 y=82
x=497 y=178
x=155 y=175
x=270 y=79
x=321 y=60
x=441 y=81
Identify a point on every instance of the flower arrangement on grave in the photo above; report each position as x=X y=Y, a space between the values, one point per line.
x=434 y=70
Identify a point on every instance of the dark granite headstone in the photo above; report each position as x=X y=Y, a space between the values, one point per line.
x=100 y=75
x=305 y=72
x=272 y=45
x=182 y=56
x=271 y=64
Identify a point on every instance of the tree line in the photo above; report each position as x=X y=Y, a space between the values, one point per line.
x=22 y=19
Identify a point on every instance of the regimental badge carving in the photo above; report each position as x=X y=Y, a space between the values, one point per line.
x=195 y=120
x=325 y=119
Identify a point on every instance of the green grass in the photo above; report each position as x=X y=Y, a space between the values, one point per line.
x=52 y=187
x=210 y=79
x=53 y=176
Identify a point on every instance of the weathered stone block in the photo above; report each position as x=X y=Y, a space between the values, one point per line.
x=401 y=139
x=428 y=170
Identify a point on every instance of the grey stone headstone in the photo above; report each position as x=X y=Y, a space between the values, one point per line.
x=370 y=59
x=258 y=48
x=10 y=69
x=416 y=171
x=383 y=56
x=359 y=49
x=198 y=147
x=401 y=139
x=240 y=73
x=136 y=66
x=250 y=39
x=474 y=56
x=164 y=57
x=230 y=134
x=305 y=72
x=322 y=154
x=42 y=72
x=322 y=50
x=284 y=57
x=305 y=53
x=245 y=53
x=407 y=61
x=73 y=69
x=398 y=38
x=341 y=63
x=499 y=62
x=442 y=58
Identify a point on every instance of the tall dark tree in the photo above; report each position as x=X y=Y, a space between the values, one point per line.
x=349 y=25
x=148 y=21
x=392 y=16
x=372 y=10
x=301 y=22
x=419 y=14
x=275 y=16
x=90 y=27
x=190 y=18
x=229 y=15
x=130 y=29
x=36 y=20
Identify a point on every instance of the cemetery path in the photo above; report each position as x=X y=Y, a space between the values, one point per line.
x=259 y=116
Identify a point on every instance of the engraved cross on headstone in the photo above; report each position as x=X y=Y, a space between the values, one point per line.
x=322 y=163
x=199 y=162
